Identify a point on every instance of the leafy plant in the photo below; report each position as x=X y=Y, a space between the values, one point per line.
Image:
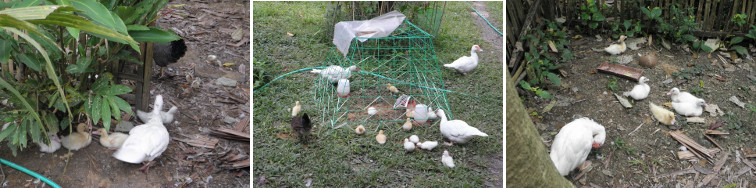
x=733 y=45
x=260 y=77
x=590 y=15
x=752 y=109
x=752 y=33
x=542 y=64
x=612 y=84
x=621 y=145
x=536 y=90
x=48 y=88
x=627 y=28
x=739 y=19
x=733 y=122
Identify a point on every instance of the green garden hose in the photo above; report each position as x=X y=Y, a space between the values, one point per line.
x=31 y=173
x=489 y=23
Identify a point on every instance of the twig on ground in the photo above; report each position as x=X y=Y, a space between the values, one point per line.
x=639 y=126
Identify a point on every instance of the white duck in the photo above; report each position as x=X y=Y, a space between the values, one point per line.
x=678 y=96
x=145 y=142
x=78 y=139
x=111 y=141
x=457 y=131
x=616 y=49
x=689 y=108
x=447 y=159
x=167 y=116
x=334 y=73
x=573 y=143
x=342 y=89
x=54 y=144
x=641 y=90
x=466 y=64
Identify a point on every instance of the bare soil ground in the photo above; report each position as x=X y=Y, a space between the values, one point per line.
x=495 y=40
x=649 y=158
x=207 y=28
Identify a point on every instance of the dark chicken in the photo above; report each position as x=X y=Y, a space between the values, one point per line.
x=301 y=126
x=168 y=53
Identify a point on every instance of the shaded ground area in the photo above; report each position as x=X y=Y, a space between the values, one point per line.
x=638 y=152
x=208 y=30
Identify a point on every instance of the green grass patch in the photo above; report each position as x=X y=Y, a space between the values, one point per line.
x=340 y=158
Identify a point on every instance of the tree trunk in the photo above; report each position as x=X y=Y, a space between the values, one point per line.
x=528 y=162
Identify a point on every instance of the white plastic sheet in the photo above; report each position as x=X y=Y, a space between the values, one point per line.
x=380 y=26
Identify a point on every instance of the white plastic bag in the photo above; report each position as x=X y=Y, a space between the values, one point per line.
x=380 y=26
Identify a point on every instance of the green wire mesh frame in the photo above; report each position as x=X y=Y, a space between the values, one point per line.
x=406 y=59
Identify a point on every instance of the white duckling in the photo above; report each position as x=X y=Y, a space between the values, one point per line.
x=639 y=91
x=457 y=131
x=409 y=146
x=166 y=117
x=573 y=143
x=662 y=115
x=414 y=139
x=335 y=73
x=447 y=159
x=678 y=96
x=689 y=108
x=616 y=49
x=53 y=146
x=342 y=88
x=145 y=142
x=427 y=145
x=466 y=64
x=78 y=139
x=111 y=141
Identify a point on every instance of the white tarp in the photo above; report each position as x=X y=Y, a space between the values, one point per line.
x=380 y=26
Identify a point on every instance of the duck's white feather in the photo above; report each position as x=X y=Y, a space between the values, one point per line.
x=573 y=143
x=689 y=108
x=146 y=141
x=640 y=91
x=457 y=131
x=466 y=64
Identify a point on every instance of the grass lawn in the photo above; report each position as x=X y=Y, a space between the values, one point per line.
x=341 y=158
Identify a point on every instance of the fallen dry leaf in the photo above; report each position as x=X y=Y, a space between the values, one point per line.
x=237 y=35
x=283 y=135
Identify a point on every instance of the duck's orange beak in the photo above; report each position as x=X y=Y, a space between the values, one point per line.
x=596 y=145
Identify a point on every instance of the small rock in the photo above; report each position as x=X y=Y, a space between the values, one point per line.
x=634 y=42
x=124 y=126
x=714 y=110
x=667 y=81
x=226 y=82
x=229 y=120
x=574 y=89
x=712 y=43
x=608 y=173
x=683 y=148
x=624 y=59
x=696 y=120
x=599 y=39
x=735 y=100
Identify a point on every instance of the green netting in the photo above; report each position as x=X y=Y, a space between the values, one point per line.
x=405 y=59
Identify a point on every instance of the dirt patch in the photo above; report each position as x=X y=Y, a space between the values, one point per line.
x=494 y=39
x=207 y=29
x=647 y=157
